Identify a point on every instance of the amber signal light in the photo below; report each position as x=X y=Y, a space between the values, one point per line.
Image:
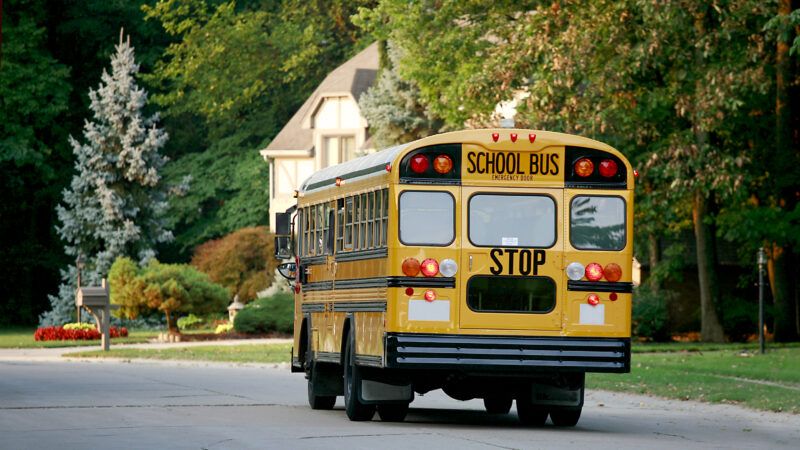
x=411 y=267
x=442 y=164
x=584 y=167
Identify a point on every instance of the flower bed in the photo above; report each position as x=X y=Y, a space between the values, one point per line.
x=75 y=334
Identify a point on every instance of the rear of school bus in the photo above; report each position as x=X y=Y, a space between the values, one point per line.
x=510 y=255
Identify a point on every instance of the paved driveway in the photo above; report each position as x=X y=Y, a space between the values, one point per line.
x=63 y=405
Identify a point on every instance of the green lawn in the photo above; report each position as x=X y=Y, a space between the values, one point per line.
x=768 y=382
x=22 y=337
x=245 y=353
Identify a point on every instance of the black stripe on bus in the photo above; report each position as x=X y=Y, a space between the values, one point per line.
x=361 y=283
x=357 y=173
x=599 y=286
x=313 y=260
x=443 y=282
x=312 y=307
x=318 y=286
x=362 y=254
x=364 y=306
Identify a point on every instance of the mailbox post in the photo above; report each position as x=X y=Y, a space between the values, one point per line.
x=95 y=300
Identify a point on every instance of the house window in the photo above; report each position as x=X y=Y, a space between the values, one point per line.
x=338 y=149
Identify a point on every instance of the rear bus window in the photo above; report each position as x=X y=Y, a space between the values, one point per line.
x=512 y=220
x=597 y=223
x=427 y=218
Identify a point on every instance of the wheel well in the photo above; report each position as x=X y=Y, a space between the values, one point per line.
x=345 y=336
x=301 y=353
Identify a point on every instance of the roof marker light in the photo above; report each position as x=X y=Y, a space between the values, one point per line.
x=339 y=181
x=388 y=167
x=495 y=136
x=513 y=137
x=532 y=138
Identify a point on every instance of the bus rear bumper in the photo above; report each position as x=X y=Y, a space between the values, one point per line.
x=509 y=354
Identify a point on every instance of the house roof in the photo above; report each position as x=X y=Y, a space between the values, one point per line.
x=353 y=77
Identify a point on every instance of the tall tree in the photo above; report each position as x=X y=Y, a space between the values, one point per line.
x=117 y=199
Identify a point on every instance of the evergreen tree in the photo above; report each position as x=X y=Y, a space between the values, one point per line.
x=394 y=109
x=116 y=201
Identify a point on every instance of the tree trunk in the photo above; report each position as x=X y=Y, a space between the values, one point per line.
x=654 y=250
x=780 y=265
x=779 y=269
x=710 y=327
x=172 y=324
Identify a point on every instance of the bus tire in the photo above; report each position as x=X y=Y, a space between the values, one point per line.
x=318 y=401
x=565 y=417
x=393 y=412
x=497 y=405
x=356 y=411
x=530 y=414
x=314 y=375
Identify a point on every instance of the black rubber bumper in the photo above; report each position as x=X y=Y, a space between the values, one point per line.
x=507 y=353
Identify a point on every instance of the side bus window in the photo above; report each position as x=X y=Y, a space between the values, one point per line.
x=339 y=225
x=597 y=222
x=385 y=219
x=426 y=218
x=348 y=224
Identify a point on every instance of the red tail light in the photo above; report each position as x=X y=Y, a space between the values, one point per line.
x=411 y=267
x=419 y=164
x=594 y=272
x=612 y=272
x=608 y=168
x=442 y=164
x=584 y=167
x=593 y=299
x=430 y=267
x=430 y=295
x=409 y=291
x=612 y=296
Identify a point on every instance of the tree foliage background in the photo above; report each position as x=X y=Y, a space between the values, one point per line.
x=226 y=75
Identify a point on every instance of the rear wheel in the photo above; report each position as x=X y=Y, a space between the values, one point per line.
x=356 y=410
x=393 y=412
x=497 y=405
x=530 y=414
x=314 y=375
x=318 y=401
x=565 y=417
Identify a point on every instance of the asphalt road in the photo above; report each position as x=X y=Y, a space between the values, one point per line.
x=65 y=405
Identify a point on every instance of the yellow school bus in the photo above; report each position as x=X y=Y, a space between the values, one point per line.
x=493 y=264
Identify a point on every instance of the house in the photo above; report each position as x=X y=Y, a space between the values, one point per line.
x=327 y=129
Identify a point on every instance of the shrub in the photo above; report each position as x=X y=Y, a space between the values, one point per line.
x=223 y=328
x=268 y=314
x=242 y=261
x=80 y=326
x=189 y=322
x=169 y=288
x=75 y=333
x=650 y=316
x=739 y=318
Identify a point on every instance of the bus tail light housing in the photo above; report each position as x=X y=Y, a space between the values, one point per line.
x=593 y=299
x=575 y=271
x=430 y=295
x=448 y=267
x=594 y=272
x=411 y=267
x=612 y=272
x=429 y=267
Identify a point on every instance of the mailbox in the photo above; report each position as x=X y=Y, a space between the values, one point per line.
x=96 y=301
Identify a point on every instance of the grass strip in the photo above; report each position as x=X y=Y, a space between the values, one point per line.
x=767 y=382
x=246 y=353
